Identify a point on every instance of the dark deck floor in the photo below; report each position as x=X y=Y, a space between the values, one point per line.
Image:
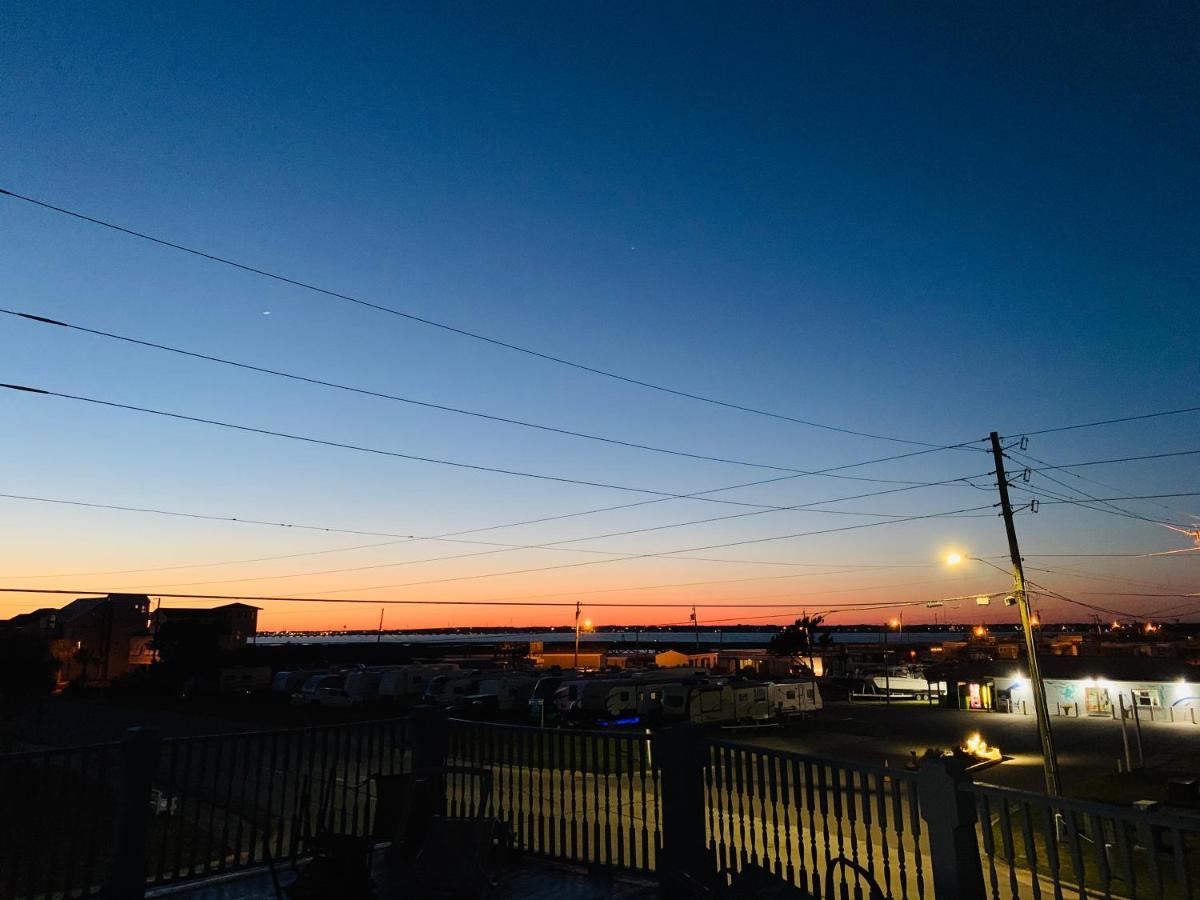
x=529 y=880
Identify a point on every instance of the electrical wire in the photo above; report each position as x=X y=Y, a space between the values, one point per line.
x=395 y=454
x=554 y=545
x=573 y=565
x=1115 y=421
x=561 y=544
x=1107 y=502
x=1029 y=456
x=443 y=326
x=406 y=400
x=593 y=562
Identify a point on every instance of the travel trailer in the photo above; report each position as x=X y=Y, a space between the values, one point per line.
x=287 y=683
x=510 y=691
x=790 y=699
x=719 y=704
x=450 y=688
x=408 y=683
x=309 y=693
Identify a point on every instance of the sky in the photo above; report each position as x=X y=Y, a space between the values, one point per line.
x=924 y=222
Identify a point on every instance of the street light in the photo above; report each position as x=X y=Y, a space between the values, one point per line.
x=1049 y=756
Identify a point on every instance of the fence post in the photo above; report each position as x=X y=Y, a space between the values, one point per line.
x=139 y=765
x=950 y=816
x=685 y=858
x=431 y=743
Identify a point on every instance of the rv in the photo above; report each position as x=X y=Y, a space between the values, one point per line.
x=541 y=700
x=362 y=685
x=510 y=691
x=719 y=704
x=287 y=683
x=449 y=689
x=795 y=698
x=409 y=682
x=309 y=692
x=606 y=699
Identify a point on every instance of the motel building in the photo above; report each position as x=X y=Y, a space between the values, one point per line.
x=1163 y=690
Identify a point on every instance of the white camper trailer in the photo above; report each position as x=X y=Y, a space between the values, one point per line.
x=790 y=699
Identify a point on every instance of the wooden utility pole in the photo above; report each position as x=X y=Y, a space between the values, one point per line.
x=1049 y=757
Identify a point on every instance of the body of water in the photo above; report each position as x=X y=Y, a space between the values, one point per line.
x=629 y=638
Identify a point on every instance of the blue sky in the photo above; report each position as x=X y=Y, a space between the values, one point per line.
x=926 y=222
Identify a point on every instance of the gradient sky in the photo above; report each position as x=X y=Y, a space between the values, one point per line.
x=928 y=221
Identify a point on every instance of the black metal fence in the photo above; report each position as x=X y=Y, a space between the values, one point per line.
x=1034 y=845
x=829 y=828
x=699 y=812
x=216 y=804
x=590 y=797
x=57 y=817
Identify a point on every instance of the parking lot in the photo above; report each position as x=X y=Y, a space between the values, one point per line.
x=1088 y=748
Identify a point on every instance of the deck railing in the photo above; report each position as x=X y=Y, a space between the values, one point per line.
x=586 y=796
x=1034 y=846
x=821 y=825
x=57 y=818
x=705 y=815
x=76 y=823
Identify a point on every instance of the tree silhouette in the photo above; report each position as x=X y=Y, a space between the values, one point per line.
x=798 y=638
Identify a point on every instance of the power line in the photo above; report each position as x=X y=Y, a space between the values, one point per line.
x=1096 y=505
x=1105 y=462
x=668 y=554
x=1145 y=555
x=382 y=395
x=462 y=332
x=376 y=451
x=1102 y=500
x=741 y=543
x=1088 y=498
x=1137 y=418
x=259 y=598
x=404 y=538
x=560 y=545
x=1088 y=478
x=390 y=602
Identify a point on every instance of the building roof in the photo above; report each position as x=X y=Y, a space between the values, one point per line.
x=1114 y=668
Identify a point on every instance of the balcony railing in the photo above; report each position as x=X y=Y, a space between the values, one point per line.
x=706 y=816
x=206 y=805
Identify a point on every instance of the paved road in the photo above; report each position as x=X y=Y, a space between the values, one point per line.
x=1088 y=748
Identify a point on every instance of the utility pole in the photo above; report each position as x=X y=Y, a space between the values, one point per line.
x=578 y=609
x=1049 y=757
x=696 y=622
x=887 y=672
x=379 y=632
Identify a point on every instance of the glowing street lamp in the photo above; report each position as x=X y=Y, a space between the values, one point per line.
x=1021 y=600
